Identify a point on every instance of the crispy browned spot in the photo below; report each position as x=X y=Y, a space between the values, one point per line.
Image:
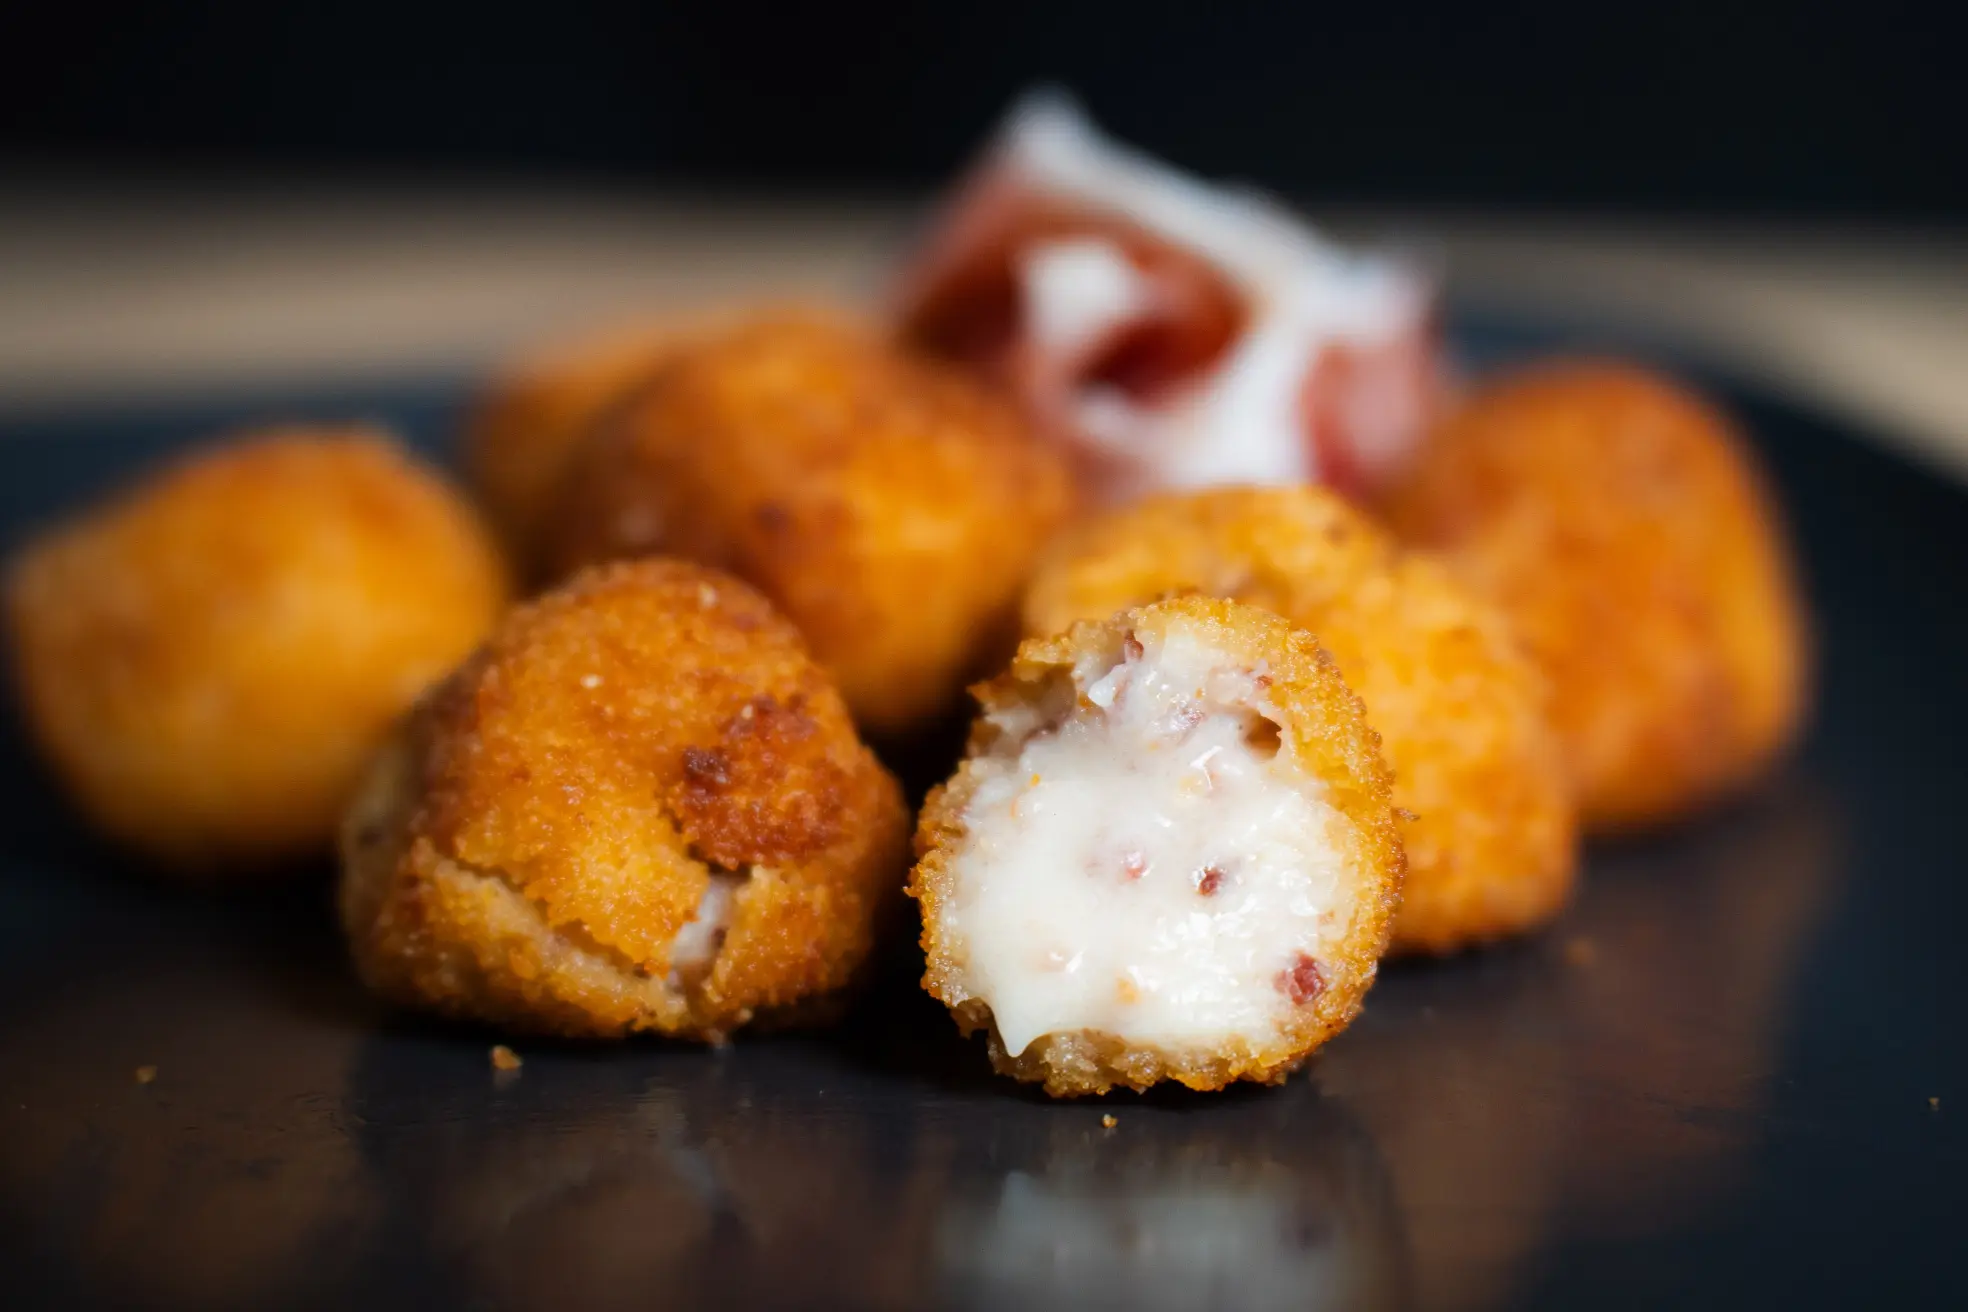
x=706 y=768
x=760 y=796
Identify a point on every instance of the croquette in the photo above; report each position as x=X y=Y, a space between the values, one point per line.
x=641 y=806
x=1169 y=854
x=209 y=659
x=1489 y=824
x=1625 y=527
x=522 y=433
x=890 y=508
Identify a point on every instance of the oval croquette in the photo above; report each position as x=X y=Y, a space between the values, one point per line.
x=522 y=434
x=1625 y=528
x=890 y=508
x=210 y=658
x=640 y=807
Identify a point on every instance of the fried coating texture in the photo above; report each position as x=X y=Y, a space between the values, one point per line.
x=522 y=434
x=209 y=659
x=1626 y=529
x=1461 y=711
x=640 y=807
x=890 y=508
x=1322 y=729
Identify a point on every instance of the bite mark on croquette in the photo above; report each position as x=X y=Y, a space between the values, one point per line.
x=1164 y=780
x=1113 y=895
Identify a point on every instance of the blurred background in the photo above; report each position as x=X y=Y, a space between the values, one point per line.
x=194 y=190
x=1851 y=110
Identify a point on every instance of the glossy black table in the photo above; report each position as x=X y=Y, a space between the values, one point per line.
x=1731 y=1076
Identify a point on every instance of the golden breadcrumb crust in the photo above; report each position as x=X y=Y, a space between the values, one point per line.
x=1461 y=711
x=890 y=507
x=210 y=658
x=522 y=434
x=1322 y=729
x=554 y=814
x=1279 y=548
x=1625 y=527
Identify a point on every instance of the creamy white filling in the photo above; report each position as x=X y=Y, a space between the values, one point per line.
x=1151 y=865
x=1242 y=422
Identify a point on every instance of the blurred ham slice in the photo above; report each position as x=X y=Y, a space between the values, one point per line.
x=1173 y=334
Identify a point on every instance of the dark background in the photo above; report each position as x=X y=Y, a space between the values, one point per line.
x=1825 y=111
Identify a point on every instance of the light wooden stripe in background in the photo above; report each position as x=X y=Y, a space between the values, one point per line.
x=122 y=295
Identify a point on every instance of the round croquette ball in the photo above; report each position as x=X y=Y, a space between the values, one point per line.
x=1169 y=855
x=890 y=508
x=209 y=659
x=523 y=432
x=641 y=806
x=1625 y=528
x=1489 y=824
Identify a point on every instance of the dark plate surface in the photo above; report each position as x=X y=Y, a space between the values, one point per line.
x=1711 y=1085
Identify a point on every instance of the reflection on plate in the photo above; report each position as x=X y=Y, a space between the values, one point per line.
x=1281 y=1205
